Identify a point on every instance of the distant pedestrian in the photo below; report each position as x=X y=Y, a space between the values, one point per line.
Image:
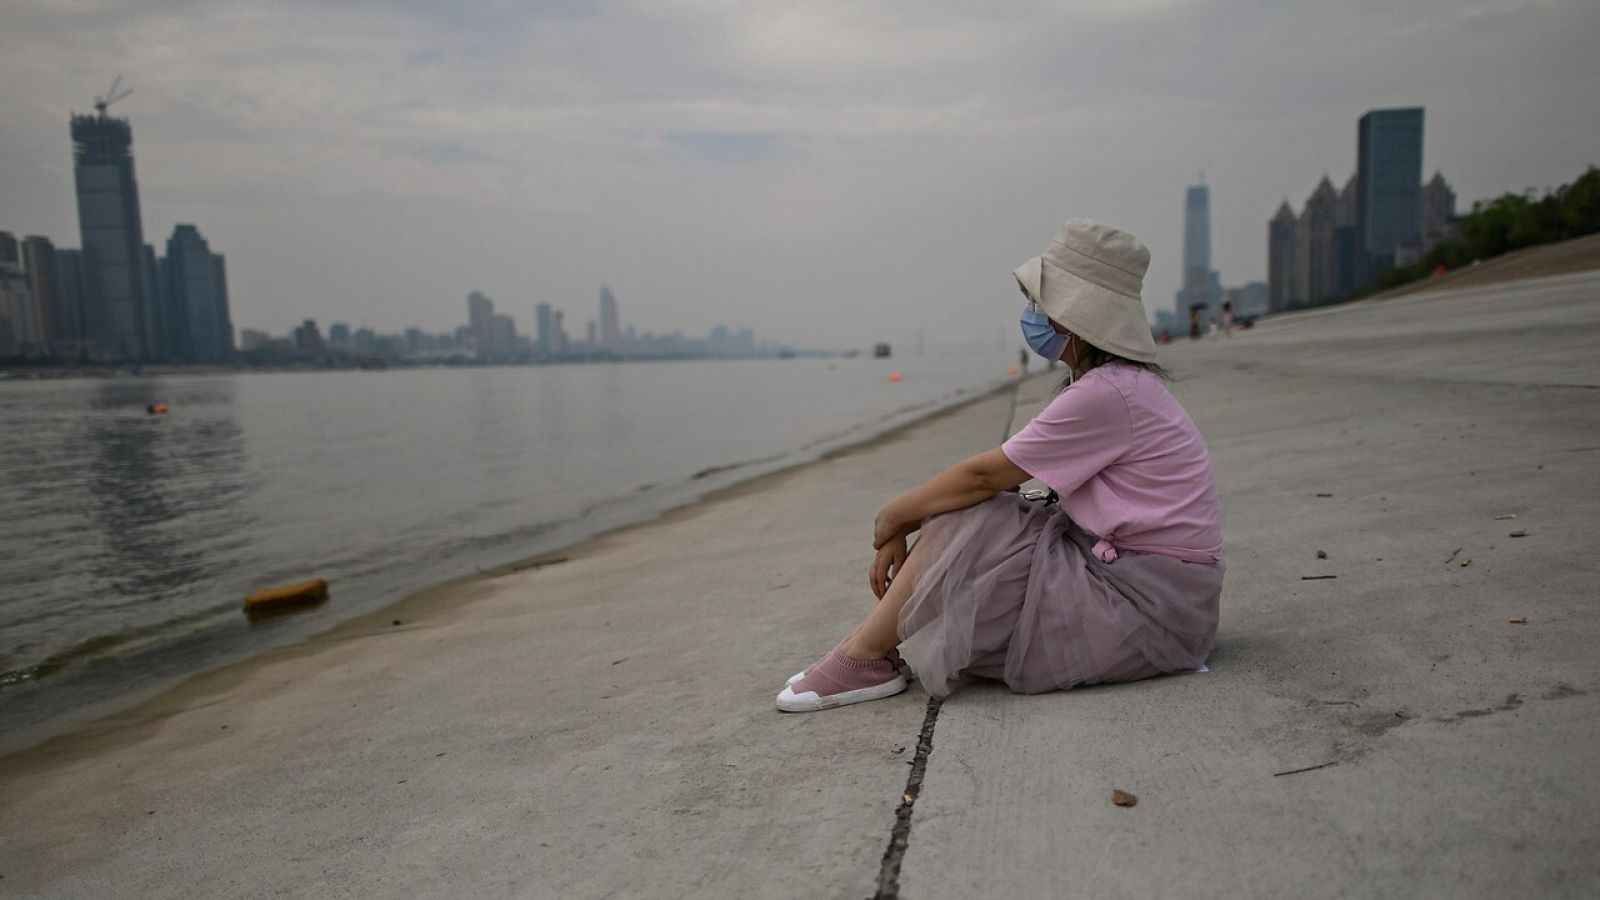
x=1022 y=360
x=1227 y=318
x=1121 y=580
x=1194 y=323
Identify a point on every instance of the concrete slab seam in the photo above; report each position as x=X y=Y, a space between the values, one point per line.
x=900 y=835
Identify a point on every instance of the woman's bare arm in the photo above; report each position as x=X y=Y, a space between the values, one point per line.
x=969 y=482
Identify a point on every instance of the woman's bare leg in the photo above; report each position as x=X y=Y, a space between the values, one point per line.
x=879 y=632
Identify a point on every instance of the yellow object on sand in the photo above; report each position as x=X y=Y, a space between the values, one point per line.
x=300 y=593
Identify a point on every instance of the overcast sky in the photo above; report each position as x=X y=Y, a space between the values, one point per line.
x=828 y=173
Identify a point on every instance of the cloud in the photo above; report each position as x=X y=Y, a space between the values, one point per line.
x=818 y=170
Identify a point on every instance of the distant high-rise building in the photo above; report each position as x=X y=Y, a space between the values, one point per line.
x=1197 y=227
x=112 y=233
x=19 y=315
x=307 y=339
x=339 y=336
x=1346 y=237
x=610 y=323
x=39 y=266
x=480 y=319
x=1316 y=262
x=1438 y=212
x=157 y=339
x=502 y=338
x=544 y=332
x=70 y=278
x=1198 y=279
x=591 y=335
x=199 y=323
x=251 y=340
x=1388 y=186
x=1282 y=260
x=558 y=335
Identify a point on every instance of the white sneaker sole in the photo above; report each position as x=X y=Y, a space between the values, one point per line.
x=789 y=701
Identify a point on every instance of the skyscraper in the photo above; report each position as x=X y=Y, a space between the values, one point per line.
x=544 y=345
x=1345 y=251
x=157 y=344
x=1316 y=265
x=39 y=262
x=199 y=325
x=1388 y=186
x=1200 y=284
x=19 y=315
x=503 y=337
x=1197 y=227
x=480 y=319
x=69 y=278
x=112 y=232
x=610 y=324
x=1438 y=212
x=1282 y=260
x=1197 y=250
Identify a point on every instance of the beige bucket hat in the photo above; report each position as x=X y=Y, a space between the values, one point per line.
x=1089 y=280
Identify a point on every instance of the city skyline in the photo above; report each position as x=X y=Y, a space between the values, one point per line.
x=827 y=170
x=112 y=299
x=1385 y=216
x=489 y=337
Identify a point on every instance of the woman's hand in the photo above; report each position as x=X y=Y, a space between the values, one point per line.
x=964 y=484
x=891 y=556
x=888 y=525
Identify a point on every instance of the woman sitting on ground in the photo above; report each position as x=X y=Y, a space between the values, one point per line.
x=1121 y=580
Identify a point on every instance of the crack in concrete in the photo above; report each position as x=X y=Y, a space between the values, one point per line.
x=900 y=835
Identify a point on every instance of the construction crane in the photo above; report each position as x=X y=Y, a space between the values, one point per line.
x=111 y=96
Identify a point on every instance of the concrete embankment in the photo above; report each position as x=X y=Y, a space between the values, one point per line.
x=604 y=727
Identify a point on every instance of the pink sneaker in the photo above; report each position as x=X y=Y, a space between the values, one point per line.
x=892 y=656
x=838 y=680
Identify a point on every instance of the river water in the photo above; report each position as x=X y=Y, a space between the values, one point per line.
x=127 y=540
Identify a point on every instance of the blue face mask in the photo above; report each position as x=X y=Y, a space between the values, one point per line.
x=1041 y=335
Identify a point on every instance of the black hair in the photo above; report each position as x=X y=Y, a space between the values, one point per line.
x=1093 y=357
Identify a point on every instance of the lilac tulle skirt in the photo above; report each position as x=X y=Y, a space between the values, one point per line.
x=1010 y=590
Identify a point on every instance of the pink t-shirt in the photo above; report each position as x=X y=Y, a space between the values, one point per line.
x=1128 y=463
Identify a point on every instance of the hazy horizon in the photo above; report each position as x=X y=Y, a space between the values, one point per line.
x=828 y=174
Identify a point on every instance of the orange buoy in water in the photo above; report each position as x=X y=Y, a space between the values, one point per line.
x=286 y=596
x=156 y=409
x=894 y=376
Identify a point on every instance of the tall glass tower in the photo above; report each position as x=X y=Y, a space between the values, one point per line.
x=1388 y=186
x=1197 y=227
x=115 y=305
x=200 y=328
x=1196 y=249
x=610 y=324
